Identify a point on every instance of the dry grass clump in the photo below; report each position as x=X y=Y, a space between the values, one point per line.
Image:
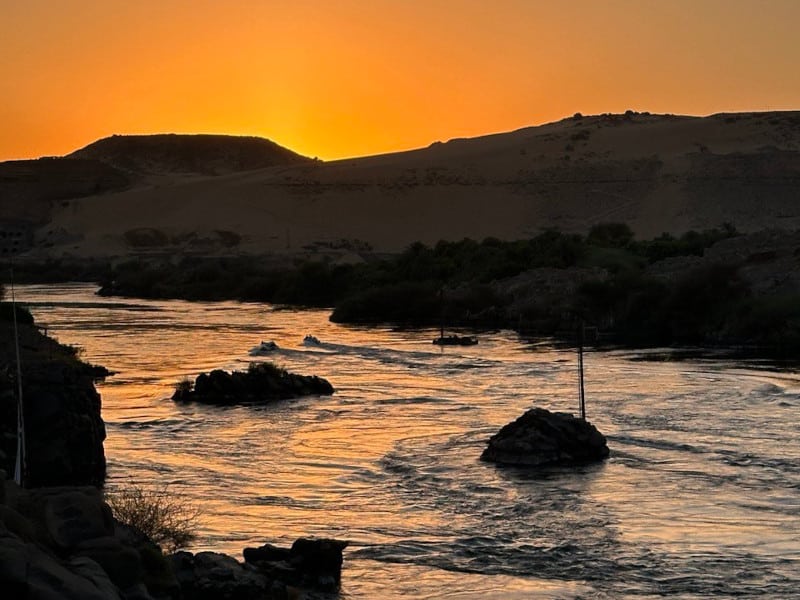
x=168 y=519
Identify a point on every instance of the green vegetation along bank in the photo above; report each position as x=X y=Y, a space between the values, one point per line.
x=711 y=288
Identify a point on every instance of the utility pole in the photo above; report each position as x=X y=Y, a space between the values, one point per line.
x=581 y=332
x=441 y=312
x=20 y=466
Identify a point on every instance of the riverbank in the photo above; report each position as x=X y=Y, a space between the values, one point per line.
x=716 y=289
x=59 y=538
x=64 y=543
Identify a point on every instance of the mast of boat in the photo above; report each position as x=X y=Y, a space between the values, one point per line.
x=20 y=466
x=441 y=313
x=581 y=332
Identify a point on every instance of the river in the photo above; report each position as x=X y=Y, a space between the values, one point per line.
x=699 y=498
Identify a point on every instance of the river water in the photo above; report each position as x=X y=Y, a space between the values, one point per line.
x=699 y=498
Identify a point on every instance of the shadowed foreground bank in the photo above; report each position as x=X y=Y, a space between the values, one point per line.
x=59 y=538
x=65 y=543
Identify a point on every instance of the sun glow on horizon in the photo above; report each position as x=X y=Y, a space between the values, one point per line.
x=349 y=78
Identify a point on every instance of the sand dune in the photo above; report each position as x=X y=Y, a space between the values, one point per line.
x=655 y=172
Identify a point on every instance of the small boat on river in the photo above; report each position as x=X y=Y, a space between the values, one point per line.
x=311 y=340
x=456 y=340
x=451 y=340
x=263 y=348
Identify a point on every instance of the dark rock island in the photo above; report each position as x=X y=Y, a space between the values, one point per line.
x=261 y=383
x=540 y=437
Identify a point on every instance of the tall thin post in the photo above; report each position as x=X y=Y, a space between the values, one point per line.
x=20 y=466
x=441 y=313
x=580 y=365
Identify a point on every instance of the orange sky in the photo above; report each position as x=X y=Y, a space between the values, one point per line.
x=338 y=78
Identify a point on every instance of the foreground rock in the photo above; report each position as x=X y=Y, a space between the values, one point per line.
x=64 y=429
x=310 y=565
x=63 y=542
x=261 y=383
x=540 y=437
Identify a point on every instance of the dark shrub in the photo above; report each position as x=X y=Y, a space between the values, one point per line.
x=610 y=235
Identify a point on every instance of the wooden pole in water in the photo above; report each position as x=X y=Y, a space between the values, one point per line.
x=441 y=313
x=580 y=365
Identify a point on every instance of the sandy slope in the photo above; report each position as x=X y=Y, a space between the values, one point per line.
x=655 y=172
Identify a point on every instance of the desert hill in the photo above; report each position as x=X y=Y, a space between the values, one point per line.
x=655 y=172
x=29 y=188
x=197 y=154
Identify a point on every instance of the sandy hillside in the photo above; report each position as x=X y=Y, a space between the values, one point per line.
x=655 y=172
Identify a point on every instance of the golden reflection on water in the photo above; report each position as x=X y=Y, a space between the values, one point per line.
x=701 y=452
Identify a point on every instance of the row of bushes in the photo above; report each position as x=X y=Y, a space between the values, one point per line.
x=321 y=283
x=710 y=304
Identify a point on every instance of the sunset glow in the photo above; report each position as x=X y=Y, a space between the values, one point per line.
x=347 y=78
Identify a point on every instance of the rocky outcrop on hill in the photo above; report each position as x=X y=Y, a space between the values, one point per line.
x=261 y=383
x=173 y=153
x=540 y=437
x=64 y=429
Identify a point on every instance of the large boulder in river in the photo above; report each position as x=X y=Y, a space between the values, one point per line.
x=540 y=437
x=261 y=383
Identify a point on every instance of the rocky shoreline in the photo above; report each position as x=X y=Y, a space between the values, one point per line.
x=58 y=536
x=64 y=542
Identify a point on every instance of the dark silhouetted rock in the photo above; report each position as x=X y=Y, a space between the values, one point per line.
x=540 y=437
x=261 y=383
x=121 y=563
x=266 y=553
x=210 y=575
x=310 y=563
x=63 y=542
x=320 y=562
x=64 y=428
x=72 y=515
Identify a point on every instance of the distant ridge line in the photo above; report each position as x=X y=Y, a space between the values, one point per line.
x=201 y=153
